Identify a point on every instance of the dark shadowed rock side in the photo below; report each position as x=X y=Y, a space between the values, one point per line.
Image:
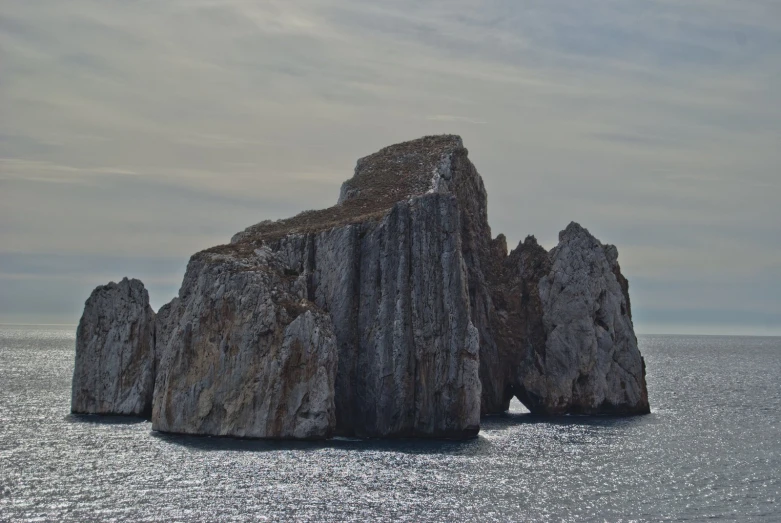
x=114 y=372
x=392 y=314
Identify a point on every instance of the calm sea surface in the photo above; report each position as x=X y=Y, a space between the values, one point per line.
x=711 y=450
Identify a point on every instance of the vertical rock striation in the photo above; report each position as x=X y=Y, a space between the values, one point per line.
x=385 y=267
x=394 y=314
x=114 y=371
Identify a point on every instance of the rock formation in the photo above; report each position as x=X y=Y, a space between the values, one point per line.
x=242 y=355
x=384 y=267
x=393 y=314
x=115 y=371
x=589 y=362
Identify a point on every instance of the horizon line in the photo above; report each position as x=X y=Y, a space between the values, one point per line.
x=638 y=334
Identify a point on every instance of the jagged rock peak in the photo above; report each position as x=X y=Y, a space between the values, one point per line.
x=114 y=368
x=572 y=230
x=590 y=363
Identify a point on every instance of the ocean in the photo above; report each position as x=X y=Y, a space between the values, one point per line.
x=710 y=450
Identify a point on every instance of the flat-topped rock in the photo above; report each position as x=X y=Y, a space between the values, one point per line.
x=382 y=179
x=385 y=265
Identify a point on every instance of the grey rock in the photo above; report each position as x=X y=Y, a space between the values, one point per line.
x=114 y=368
x=394 y=314
x=386 y=266
x=515 y=321
x=590 y=363
x=241 y=356
x=416 y=362
x=396 y=286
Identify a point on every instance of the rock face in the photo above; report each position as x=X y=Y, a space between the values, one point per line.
x=383 y=273
x=589 y=362
x=115 y=368
x=242 y=355
x=394 y=314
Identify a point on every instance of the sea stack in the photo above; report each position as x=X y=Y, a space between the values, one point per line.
x=393 y=313
x=589 y=362
x=382 y=270
x=115 y=368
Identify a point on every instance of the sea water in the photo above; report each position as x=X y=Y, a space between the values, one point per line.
x=710 y=450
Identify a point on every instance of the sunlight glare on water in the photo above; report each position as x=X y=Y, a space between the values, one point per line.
x=710 y=450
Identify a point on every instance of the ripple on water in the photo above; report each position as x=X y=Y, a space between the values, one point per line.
x=709 y=449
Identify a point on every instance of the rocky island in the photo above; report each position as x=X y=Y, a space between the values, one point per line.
x=394 y=313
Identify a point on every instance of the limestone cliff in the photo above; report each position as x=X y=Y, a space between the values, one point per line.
x=114 y=371
x=386 y=265
x=394 y=313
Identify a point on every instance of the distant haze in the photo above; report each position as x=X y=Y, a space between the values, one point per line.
x=133 y=134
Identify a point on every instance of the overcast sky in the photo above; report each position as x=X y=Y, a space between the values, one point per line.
x=135 y=133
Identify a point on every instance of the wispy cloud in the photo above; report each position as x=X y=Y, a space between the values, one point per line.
x=453 y=118
x=42 y=171
x=162 y=127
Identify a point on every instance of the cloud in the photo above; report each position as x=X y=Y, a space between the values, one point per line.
x=156 y=129
x=453 y=118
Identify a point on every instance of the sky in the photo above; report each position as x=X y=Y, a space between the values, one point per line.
x=135 y=133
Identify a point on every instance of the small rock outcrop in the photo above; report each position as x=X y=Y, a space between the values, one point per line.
x=393 y=314
x=115 y=368
x=588 y=361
